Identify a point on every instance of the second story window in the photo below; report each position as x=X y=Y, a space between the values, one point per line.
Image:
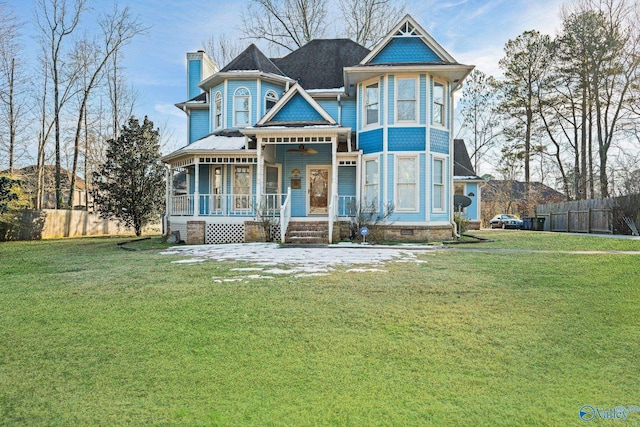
x=270 y=100
x=406 y=99
x=217 y=111
x=241 y=103
x=372 y=102
x=438 y=103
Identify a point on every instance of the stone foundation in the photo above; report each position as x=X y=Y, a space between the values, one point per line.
x=400 y=233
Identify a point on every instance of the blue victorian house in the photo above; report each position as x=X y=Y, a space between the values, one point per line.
x=313 y=138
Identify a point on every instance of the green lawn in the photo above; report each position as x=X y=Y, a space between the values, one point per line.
x=91 y=334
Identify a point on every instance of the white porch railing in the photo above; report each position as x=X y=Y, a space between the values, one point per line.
x=285 y=215
x=332 y=216
x=227 y=205
x=346 y=206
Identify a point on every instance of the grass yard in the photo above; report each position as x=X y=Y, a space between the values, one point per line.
x=91 y=334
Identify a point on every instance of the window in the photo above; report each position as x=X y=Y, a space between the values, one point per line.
x=406 y=100
x=242 y=187
x=216 y=187
x=241 y=102
x=217 y=111
x=438 y=103
x=372 y=101
x=406 y=184
x=371 y=182
x=438 y=184
x=270 y=100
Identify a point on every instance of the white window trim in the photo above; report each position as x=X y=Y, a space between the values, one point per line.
x=274 y=97
x=364 y=180
x=442 y=125
x=416 y=99
x=416 y=183
x=365 y=104
x=218 y=95
x=235 y=95
x=443 y=195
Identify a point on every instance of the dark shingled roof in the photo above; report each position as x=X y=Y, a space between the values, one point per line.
x=461 y=162
x=319 y=64
x=252 y=59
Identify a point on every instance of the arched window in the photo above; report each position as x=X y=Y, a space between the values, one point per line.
x=217 y=111
x=270 y=99
x=241 y=107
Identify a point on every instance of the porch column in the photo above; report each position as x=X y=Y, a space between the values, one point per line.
x=196 y=188
x=358 y=180
x=334 y=169
x=260 y=172
x=167 y=187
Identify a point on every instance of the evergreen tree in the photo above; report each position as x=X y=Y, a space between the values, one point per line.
x=7 y=193
x=129 y=185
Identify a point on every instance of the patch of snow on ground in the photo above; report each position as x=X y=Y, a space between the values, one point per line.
x=275 y=259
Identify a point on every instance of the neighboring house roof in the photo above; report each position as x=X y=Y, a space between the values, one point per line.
x=516 y=191
x=319 y=64
x=252 y=59
x=462 y=167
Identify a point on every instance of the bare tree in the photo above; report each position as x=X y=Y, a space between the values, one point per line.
x=367 y=21
x=56 y=21
x=222 y=49
x=12 y=82
x=287 y=24
x=118 y=28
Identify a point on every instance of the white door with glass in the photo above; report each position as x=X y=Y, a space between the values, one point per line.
x=318 y=189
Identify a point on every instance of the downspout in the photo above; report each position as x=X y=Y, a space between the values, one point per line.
x=454 y=89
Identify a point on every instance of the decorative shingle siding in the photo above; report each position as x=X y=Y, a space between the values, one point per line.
x=405 y=50
x=198 y=124
x=407 y=139
x=297 y=109
x=440 y=141
x=370 y=142
x=195 y=71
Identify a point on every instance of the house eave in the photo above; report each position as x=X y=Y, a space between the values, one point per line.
x=214 y=79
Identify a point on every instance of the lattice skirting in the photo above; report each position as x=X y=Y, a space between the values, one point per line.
x=224 y=233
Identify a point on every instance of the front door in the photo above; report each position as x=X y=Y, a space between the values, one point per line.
x=318 y=185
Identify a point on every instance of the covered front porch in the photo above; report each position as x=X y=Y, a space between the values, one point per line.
x=263 y=176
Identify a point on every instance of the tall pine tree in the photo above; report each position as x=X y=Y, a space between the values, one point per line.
x=130 y=184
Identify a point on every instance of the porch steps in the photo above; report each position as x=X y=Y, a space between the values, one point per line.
x=307 y=233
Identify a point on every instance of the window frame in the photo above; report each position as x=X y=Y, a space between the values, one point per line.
x=366 y=184
x=270 y=96
x=366 y=104
x=237 y=96
x=441 y=185
x=245 y=198
x=442 y=120
x=218 y=122
x=398 y=100
x=415 y=183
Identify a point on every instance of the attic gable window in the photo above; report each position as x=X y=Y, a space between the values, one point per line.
x=407 y=30
x=241 y=103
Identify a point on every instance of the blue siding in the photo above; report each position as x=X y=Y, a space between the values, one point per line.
x=252 y=86
x=423 y=99
x=360 y=106
x=440 y=141
x=330 y=106
x=407 y=139
x=297 y=109
x=347 y=181
x=195 y=69
x=198 y=124
x=349 y=113
x=472 y=209
x=370 y=142
x=405 y=50
x=391 y=98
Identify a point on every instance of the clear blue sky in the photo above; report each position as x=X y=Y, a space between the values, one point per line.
x=473 y=31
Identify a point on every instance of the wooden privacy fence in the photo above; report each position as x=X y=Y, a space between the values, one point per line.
x=579 y=221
